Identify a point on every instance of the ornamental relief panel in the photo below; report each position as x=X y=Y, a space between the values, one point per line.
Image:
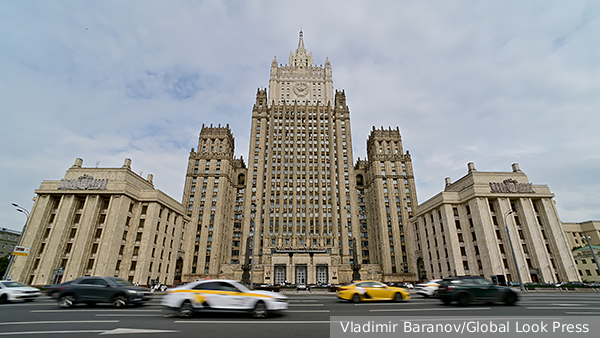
x=511 y=186
x=85 y=182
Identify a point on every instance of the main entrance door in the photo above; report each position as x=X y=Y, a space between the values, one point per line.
x=279 y=274
x=322 y=275
x=301 y=274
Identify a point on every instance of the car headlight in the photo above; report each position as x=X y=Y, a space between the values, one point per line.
x=282 y=300
x=132 y=291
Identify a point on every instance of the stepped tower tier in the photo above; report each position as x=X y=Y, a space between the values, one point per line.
x=301 y=81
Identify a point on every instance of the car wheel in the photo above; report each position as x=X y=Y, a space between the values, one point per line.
x=398 y=297
x=119 y=301
x=186 y=309
x=3 y=298
x=66 y=301
x=510 y=299
x=260 y=310
x=463 y=299
x=356 y=298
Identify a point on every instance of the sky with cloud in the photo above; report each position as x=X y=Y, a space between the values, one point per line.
x=489 y=82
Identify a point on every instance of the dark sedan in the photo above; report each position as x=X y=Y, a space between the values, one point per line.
x=467 y=289
x=92 y=290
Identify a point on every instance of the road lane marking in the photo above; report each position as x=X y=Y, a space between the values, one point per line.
x=396 y=304
x=562 y=308
x=60 y=322
x=96 y=310
x=251 y=322
x=130 y=331
x=307 y=305
x=49 y=332
x=306 y=311
x=433 y=309
x=126 y=315
x=583 y=313
x=101 y=332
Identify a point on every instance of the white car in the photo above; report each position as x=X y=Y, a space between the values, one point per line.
x=11 y=291
x=222 y=295
x=428 y=289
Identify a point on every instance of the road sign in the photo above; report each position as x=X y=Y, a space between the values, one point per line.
x=21 y=251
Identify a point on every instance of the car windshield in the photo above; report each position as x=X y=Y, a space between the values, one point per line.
x=122 y=282
x=13 y=284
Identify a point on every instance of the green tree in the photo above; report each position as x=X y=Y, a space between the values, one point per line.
x=3 y=265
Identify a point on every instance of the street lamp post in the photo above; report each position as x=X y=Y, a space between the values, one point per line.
x=252 y=261
x=512 y=249
x=12 y=257
x=587 y=238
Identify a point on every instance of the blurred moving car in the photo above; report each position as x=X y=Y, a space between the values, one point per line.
x=467 y=289
x=408 y=285
x=371 y=291
x=302 y=287
x=571 y=284
x=428 y=289
x=11 y=291
x=53 y=290
x=92 y=290
x=267 y=287
x=222 y=295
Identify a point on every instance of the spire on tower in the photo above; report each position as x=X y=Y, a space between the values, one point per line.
x=301 y=42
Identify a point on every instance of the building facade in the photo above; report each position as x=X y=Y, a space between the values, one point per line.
x=313 y=215
x=576 y=231
x=8 y=240
x=468 y=228
x=586 y=264
x=102 y=221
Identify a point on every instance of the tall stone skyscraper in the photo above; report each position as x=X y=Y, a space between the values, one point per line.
x=315 y=215
x=300 y=209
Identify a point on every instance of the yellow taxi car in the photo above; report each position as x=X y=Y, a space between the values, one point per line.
x=222 y=295
x=371 y=291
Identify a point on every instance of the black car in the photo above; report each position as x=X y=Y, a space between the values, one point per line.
x=467 y=289
x=92 y=290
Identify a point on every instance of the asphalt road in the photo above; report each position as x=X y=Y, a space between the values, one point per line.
x=308 y=316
